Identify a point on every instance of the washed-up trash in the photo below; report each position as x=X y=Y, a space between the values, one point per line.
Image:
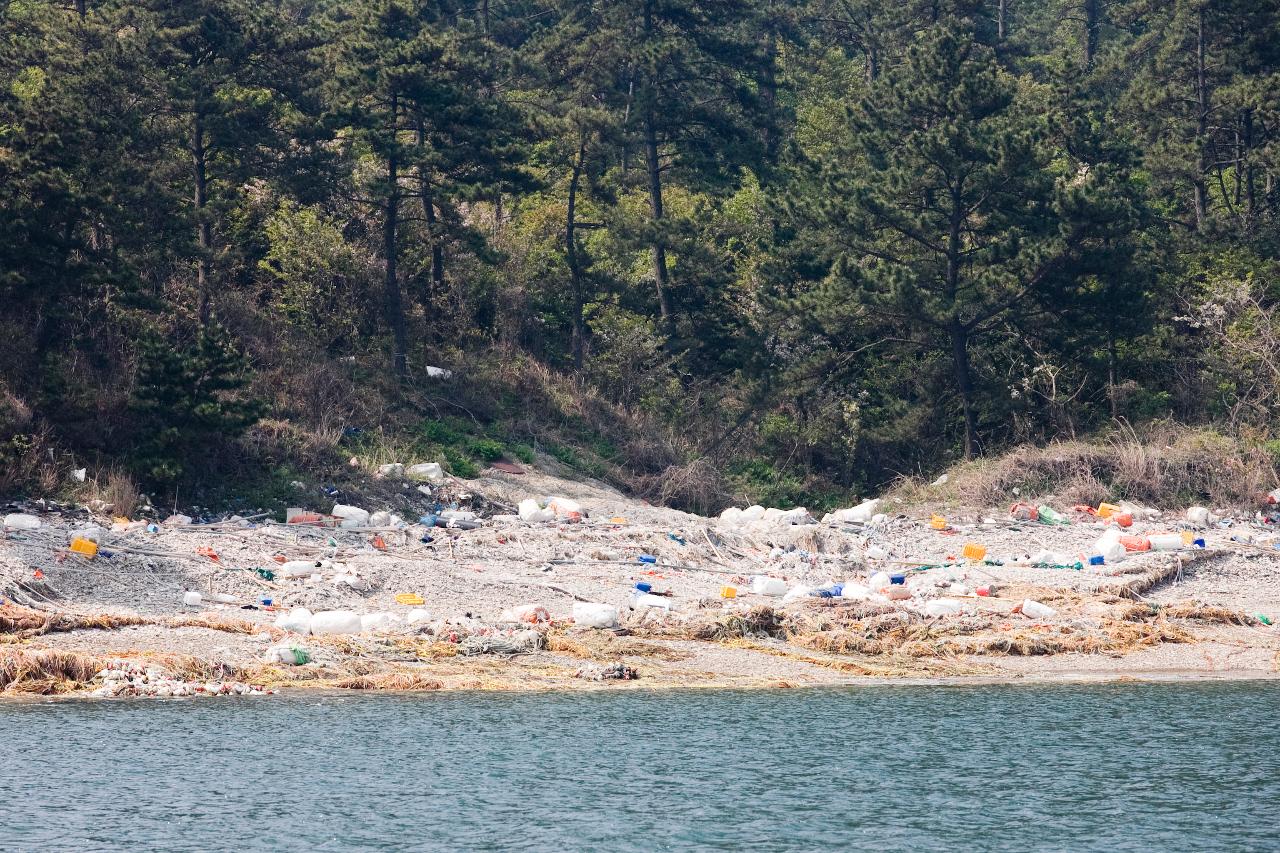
x=854 y=591
x=796 y=593
x=728 y=592
x=1201 y=516
x=417 y=616
x=860 y=514
x=439 y=372
x=531 y=510
x=431 y=472
x=84 y=547
x=591 y=615
x=527 y=613
x=192 y=598
x=336 y=622
x=79 y=474
x=93 y=533
x=647 y=558
x=352 y=516
x=938 y=522
x=939 y=607
x=878 y=581
x=289 y=655
x=1026 y=512
x=411 y=598
x=614 y=671
x=380 y=621
x=1135 y=543
x=299 y=568
x=21 y=521
x=1033 y=609
x=1166 y=542
x=765 y=585
x=647 y=599
x=1106 y=510
x=393 y=470
x=298 y=515
x=941 y=481
x=178 y=520
x=974 y=551
x=1049 y=515
x=222 y=598
x=296 y=620
x=895 y=592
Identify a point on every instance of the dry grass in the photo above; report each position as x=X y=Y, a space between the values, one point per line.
x=1166 y=465
x=45 y=671
x=600 y=646
x=388 y=681
x=24 y=622
x=1208 y=613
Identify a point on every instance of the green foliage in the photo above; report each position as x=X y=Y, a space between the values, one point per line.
x=843 y=241
x=189 y=401
x=485 y=449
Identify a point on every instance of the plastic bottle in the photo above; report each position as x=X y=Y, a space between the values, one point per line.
x=1035 y=610
x=1135 y=543
x=1049 y=515
x=591 y=615
x=1166 y=542
x=644 y=599
x=765 y=585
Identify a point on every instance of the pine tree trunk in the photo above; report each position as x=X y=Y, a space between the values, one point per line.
x=1001 y=15
x=204 y=233
x=571 y=256
x=1202 y=126
x=964 y=382
x=1092 y=20
x=394 y=304
x=660 y=278
x=429 y=213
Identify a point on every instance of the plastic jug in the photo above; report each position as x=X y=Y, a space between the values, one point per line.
x=1135 y=543
x=1166 y=542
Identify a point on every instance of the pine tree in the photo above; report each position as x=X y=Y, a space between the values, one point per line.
x=190 y=400
x=945 y=205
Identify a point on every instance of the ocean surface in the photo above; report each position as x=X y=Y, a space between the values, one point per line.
x=1122 y=767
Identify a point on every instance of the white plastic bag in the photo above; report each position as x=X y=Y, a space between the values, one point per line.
x=432 y=472
x=591 y=615
x=336 y=622
x=21 y=521
x=352 y=516
x=297 y=620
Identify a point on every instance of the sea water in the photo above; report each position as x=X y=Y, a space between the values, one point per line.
x=1120 y=767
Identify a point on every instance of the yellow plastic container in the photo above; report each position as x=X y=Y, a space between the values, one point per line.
x=409 y=598
x=938 y=523
x=974 y=551
x=87 y=547
x=1106 y=510
x=1188 y=537
x=728 y=592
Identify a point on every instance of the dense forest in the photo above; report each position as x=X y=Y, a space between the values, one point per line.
x=785 y=249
